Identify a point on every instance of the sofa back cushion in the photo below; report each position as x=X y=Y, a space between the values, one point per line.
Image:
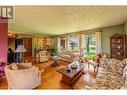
x=44 y=52
x=20 y=66
x=24 y=65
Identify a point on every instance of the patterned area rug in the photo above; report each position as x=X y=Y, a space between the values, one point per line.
x=61 y=65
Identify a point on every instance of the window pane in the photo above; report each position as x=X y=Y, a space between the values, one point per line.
x=73 y=43
x=90 y=45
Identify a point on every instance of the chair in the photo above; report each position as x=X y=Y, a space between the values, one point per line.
x=44 y=56
x=2 y=65
x=22 y=76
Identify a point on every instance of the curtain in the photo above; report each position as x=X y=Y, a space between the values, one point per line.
x=98 y=41
x=82 y=44
x=58 y=44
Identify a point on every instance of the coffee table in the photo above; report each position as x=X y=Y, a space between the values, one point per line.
x=70 y=77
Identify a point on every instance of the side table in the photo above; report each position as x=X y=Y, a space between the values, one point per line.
x=55 y=63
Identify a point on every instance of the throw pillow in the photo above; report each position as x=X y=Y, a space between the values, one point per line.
x=14 y=66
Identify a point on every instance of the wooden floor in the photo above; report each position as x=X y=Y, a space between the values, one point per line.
x=51 y=78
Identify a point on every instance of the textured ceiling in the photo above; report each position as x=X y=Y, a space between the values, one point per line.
x=55 y=20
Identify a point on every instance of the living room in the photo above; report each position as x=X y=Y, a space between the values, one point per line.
x=70 y=51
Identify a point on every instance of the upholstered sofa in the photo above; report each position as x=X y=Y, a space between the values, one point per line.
x=112 y=74
x=44 y=56
x=22 y=76
x=68 y=56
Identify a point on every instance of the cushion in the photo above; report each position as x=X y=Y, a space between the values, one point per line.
x=14 y=66
x=41 y=53
x=109 y=80
x=112 y=65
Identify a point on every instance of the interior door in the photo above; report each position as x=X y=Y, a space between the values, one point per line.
x=28 y=46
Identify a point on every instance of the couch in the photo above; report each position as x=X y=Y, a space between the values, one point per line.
x=44 y=56
x=22 y=76
x=68 y=56
x=112 y=74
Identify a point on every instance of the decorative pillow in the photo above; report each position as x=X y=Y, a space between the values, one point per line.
x=101 y=71
x=104 y=63
x=14 y=66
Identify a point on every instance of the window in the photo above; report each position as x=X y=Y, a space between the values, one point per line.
x=48 y=41
x=62 y=43
x=73 y=43
x=90 y=45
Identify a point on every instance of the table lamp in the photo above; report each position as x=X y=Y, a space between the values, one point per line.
x=20 y=49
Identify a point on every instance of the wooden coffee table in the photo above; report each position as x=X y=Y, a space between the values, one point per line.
x=70 y=77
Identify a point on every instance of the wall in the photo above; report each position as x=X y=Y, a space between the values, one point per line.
x=55 y=41
x=107 y=32
x=34 y=39
x=11 y=43
x=3 y=40
x=28 y=36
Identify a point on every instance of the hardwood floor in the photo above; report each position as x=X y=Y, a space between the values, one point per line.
x=51 y=78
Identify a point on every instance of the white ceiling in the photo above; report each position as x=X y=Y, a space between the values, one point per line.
x=55 y=20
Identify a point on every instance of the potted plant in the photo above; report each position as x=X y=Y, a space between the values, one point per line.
x=54 y=51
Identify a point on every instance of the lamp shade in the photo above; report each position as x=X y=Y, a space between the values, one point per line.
x=20 y=48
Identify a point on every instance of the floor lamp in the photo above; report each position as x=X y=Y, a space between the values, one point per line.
x=20 y=49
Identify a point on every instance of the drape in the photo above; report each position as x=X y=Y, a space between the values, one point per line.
x=98 y=41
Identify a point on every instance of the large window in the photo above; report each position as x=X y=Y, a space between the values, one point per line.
x=90 y=45
x=73 y=43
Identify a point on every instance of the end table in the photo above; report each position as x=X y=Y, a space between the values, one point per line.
x=55 y=63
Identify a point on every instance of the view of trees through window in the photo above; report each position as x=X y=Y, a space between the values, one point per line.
x=90 y=45
x=73 y=43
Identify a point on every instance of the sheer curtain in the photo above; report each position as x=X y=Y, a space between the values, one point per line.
x=98 y=41
x=82 y=44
